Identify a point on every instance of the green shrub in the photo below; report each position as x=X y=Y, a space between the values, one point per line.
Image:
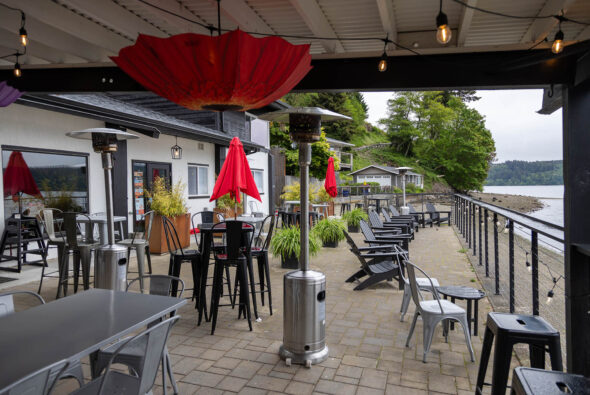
x=397 y=190
x=165 y=200
x=287 y=242
x=329 y=230
x=226 y=202
x=353 y=217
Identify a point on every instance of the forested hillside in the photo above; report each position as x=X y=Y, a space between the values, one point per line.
x=518 y=172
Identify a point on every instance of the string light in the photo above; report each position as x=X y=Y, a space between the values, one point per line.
x=527 y=263
x=382 y=66
x=443 y=31
x=17 y=71
x=550 y=295
x=557 y=46
x=24 y=40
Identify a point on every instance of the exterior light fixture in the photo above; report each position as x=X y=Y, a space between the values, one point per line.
x=176 y=150
x=17 y=71
x=557 y=46
x=23 y=32
x=382 y=66
x=550 y=295
x=443 y=31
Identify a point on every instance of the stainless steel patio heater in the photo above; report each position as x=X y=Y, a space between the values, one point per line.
x=304 y=290
x=405 y=210
x=110 y=265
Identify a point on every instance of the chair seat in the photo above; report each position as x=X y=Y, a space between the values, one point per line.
x=431 y=306
x=187 y=253
x=133 y=242
x=424 y=283
x=223 y=257
x=116 y=383
x=131 y=355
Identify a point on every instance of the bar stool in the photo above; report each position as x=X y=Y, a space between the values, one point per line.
x=359 y=205
x=510 y=329
x=344 y=207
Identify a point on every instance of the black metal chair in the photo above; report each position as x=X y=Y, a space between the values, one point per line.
x=436 y=214
x=235 y=255
x=204 y=217
x=178 y=256
x=384 y=238
x=380 y=227
x=260 y=252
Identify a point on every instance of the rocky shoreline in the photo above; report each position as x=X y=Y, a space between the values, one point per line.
x=523 y=204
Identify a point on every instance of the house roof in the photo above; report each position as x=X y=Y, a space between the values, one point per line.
x=389 y=169
x=338 y=143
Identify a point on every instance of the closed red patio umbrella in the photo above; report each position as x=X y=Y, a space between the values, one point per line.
x=18 y=179
x=235 y=175
x=330 y=183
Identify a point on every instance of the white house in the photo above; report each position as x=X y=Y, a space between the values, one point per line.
x=386 y=176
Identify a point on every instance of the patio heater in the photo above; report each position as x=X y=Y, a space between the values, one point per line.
x=405 y=210
x=110 y=265
x=304 y=290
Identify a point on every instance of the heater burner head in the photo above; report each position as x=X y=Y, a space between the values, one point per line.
x=103 y=139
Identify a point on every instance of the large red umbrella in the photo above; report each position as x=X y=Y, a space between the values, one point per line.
x=18 y=179
x=233 y=71
x=330 y=183
x=235 y=175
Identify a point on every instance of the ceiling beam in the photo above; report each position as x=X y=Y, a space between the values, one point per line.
x=244 y=16
x=317 y=22
x=55 y=38
x=540 y=28
x=465 y=22
x=387 y=15
x=38 y=49
x=176 y=7
x=69 y=22
x=25 y=59
x=115 y=17
x=584 y=34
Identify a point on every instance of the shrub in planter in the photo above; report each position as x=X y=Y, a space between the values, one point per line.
x=286 y=243
x=353 y=219
x=330 y=231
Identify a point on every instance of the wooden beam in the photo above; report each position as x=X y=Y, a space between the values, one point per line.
x=317 y=22
x=38 y=49
x=244 y=16
x=25 y=59
x=465 y=22
x=176 y=7
x=540 y=28
x=387 y=15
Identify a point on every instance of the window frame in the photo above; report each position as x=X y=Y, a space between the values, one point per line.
x=261 y=171
x=198 y=196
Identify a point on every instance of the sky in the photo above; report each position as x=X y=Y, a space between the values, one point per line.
x=518 y=131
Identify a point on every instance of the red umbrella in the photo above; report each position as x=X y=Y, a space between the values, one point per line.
x=235 y=175
x=18 y=179
x=233 y=71
x=330 y=183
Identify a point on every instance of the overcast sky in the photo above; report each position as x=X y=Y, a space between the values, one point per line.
x=519 y=132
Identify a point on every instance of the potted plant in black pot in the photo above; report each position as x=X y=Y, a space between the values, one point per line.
x=330 y=231
x=353 y=219
x=286 y=243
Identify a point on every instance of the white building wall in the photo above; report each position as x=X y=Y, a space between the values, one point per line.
x=259 y=161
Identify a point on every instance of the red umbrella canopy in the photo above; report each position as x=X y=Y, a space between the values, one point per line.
x=235 y=175
x=18 y=177
x=233 y=71
x=330 y=183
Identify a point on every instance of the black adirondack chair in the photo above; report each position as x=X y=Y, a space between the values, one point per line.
x=409 y=223
x=395 y=214
x=379 y=263
x=384 y=238
x=436 y=216
x=379 y=227
x=422 y=216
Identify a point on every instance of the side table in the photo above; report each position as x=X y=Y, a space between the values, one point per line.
x=464 y=293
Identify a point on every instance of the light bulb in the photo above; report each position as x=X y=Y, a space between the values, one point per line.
x=17 y=70
x=443 y=31
x=528 y=266
x=549 y=297
x=505 y=230
x=557 y=46
x=382 y=66
x=23 y=36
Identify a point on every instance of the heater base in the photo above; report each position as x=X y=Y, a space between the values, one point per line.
x=306 y=358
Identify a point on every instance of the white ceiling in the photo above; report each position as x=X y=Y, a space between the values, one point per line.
x=68 y=32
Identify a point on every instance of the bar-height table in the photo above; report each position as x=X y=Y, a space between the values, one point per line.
x=72 y=328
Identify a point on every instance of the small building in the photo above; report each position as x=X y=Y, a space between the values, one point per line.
x=386 y=176
x=338 y=147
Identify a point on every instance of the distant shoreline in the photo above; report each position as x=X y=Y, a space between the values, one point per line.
x=520 y=203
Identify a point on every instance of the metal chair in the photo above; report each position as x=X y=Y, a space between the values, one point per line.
x=203 y=217
x=433 y=312
x=158 y=284
x=150 y=344
x=395 y=215
x=47 y=219
x=40 y=382
x=178 y=255
x=141 y=245
x=74 y=369
x=260 y=252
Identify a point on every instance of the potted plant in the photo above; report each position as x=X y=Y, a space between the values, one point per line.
x=169 y=202
x=353 y=219
x=286 y=243
x=330 y=231
x=227 y=206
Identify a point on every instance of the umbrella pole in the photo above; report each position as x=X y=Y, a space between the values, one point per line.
x=20 y=203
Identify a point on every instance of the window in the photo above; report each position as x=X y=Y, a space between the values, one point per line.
x=60 y=176
x=198 y=180
x=259 y=179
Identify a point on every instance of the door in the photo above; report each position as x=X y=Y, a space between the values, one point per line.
x=144 y=174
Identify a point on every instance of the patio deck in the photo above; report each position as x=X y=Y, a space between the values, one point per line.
x=364 y=335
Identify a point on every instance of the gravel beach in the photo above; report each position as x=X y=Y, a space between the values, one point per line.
x=520 y=203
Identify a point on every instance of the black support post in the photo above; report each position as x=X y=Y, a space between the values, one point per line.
x=473 y=209
x=468 y=219
x=511 y=262
x=576 y=176
x=486 y=241
x=535 y=269
x=479 y=227
x=496 y=258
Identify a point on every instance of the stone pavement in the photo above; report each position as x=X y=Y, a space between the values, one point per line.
x=364 y=334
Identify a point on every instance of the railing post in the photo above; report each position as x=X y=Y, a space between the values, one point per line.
x=496 y=260
x=468 y=219
x=461 y=215
x=535 y=269
x=486 y=241
x=479 y=226
x=511 y=262
x=473 y=209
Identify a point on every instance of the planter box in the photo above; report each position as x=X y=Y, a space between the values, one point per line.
x=158 y=244
x=291 y=262
x=353 y=229
x=228 y=213
x=330 y=244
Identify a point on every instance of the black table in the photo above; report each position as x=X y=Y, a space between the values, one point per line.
x=378 y=203
x=206 y=232
x=72 y=328
x=464 y=293
x=531 y=381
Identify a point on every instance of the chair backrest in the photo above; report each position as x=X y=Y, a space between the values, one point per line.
x=412 y=209
x=366 y=230
x=385 y=214
x=172 y=239
x=39 y=382
x=70 y=226
x=432 y=210
x=393 y=211
x=7 y=301
x=152 y=348
x=235 y=244
x=416 y=294
x=148 y=231
x=374 y=219
x=48 y=218
x=264 y=242
x=159 y=284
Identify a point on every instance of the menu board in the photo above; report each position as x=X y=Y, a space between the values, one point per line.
x=138 y=195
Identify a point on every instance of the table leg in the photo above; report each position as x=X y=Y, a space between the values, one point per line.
x=121 y=231
x=252 y=286
x=452 y=322
x=140 y=254
x=202 y=297
x=102 y=230
x=475 y=314
x=469 y=319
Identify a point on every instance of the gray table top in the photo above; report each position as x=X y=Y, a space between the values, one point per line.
x=99 y=219
x=73 y=327
x=461 y=292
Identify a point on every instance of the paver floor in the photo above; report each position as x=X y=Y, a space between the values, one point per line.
x=363 y=332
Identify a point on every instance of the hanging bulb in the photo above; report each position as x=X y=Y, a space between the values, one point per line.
x=550 y=297
x=382 y=66
x=17 y=71
x=443 y=31
x=23 y=36
x=557 y=46
x=528 y=266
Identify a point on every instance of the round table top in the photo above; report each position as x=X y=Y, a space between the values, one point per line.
x=204 y=227
x=461 y=292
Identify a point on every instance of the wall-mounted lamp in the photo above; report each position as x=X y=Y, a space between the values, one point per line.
x=176 y=150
